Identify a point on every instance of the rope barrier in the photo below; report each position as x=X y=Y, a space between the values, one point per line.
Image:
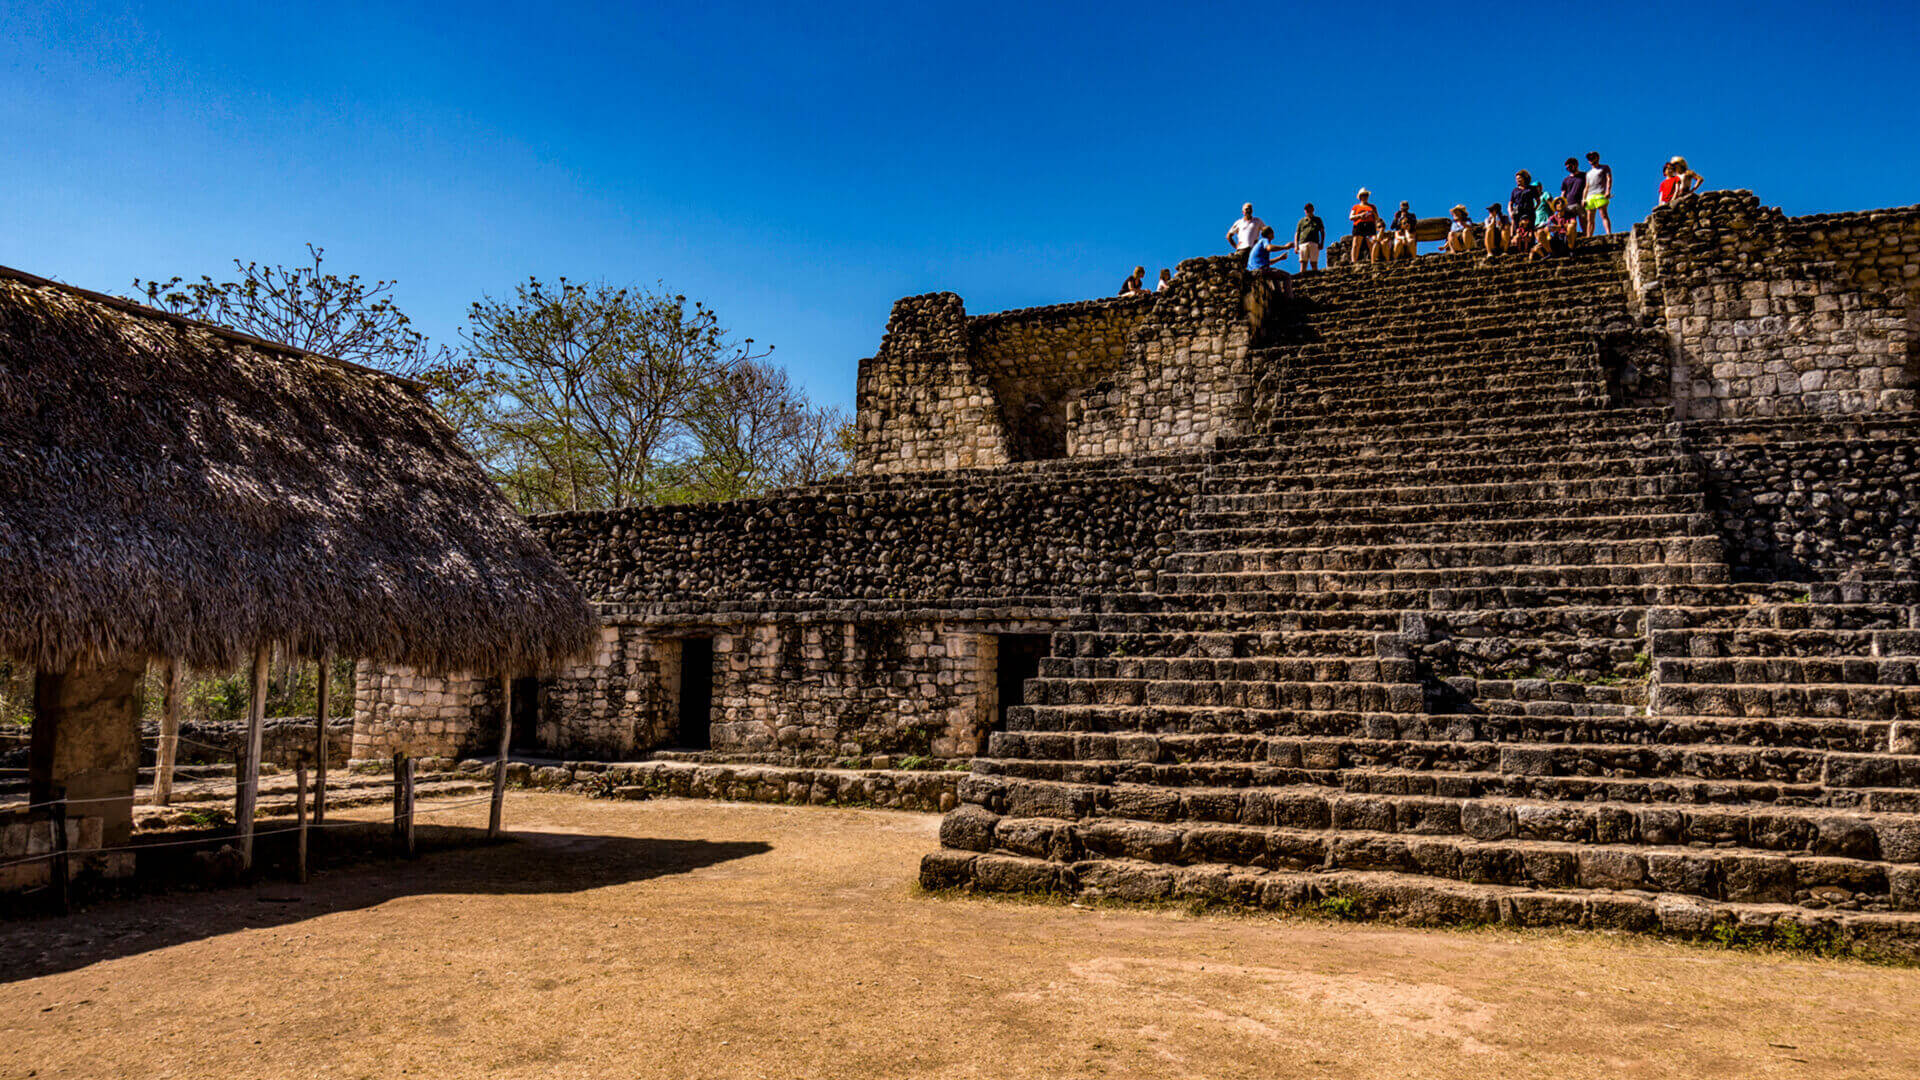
x=207 y=840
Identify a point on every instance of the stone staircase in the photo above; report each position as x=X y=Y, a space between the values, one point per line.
x=1453 y=640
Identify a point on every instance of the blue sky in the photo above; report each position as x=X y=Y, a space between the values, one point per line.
x=798 y=167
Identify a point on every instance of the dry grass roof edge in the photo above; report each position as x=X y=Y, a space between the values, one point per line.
x=172 y=488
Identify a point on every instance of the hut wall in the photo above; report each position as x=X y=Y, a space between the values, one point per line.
x=398 y=708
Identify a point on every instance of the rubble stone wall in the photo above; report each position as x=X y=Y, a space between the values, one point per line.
x=1047 y=529
x=620 y=702
x=1816 y=498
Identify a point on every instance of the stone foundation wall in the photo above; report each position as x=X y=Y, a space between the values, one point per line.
x=1832 y=498
x=619 y=703
x=284 y=740
x=27 y=835
x=1770 y=316
x=398 y=708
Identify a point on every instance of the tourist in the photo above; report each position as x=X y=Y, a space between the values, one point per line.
x=1405 y=242
x=1573 y=189
x=1132 y=285
x=1599 y=192
x=1265 y=257
x=1554 y=241
x=1365 y=218
x=1523 y=202
x=1495 y=229
x=1459 y=232
x=1669 y=184
x=1690 y=181
x=1166 y=280
x=1309 y=236
x=1242 y=233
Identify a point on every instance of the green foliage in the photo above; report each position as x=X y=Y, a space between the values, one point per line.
x=1338 y=907
x=593 y=396
x=207 y=817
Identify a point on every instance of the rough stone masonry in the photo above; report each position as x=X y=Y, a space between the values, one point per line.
x=1457 y=589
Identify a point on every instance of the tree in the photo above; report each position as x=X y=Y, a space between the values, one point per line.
x=581 y=396
x=307 y=308
x=756 y=431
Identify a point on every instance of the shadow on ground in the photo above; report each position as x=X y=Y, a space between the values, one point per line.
x=452 y=860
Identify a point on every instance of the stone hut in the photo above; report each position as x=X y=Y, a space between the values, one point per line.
x=173 y=489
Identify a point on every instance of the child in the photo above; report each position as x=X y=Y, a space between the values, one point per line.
x=1404 y=244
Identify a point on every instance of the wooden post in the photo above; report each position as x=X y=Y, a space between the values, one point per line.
x=249 y=792
x=320 y=739
x=403 y=803
x=500 y=763
x=168 y=750
x=61 y=873
x=300 y=823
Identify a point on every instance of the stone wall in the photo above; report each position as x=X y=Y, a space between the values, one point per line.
x=1188 y=381
x=620 y=702
x=284 y=740
x=397 y=708
x=1811 y=499
x=1045 y=529
x=1037 y=360
x=920 y=402
x=1771 y=316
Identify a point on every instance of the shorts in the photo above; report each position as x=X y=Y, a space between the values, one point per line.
x=1364 y=228
x=1596 y=202
x=1557 y=245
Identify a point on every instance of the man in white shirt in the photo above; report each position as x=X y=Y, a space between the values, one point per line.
x=1241 y=234
x=1599 y=193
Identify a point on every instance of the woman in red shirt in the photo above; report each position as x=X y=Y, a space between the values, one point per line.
x=1670 y=187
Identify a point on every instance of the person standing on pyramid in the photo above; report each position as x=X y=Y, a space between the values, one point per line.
x=1599 y=192
x=1242 y=233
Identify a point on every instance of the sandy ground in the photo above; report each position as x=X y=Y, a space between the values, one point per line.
x=694 y=939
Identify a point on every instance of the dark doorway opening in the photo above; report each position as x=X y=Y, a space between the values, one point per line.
x=526 y=714
x=1020 y=656
x=696 y=693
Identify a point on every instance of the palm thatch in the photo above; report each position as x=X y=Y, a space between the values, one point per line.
x=176 y=489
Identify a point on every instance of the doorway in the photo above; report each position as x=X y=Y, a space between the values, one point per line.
x=526 y=714
x=696 y=693
x=1019 y=660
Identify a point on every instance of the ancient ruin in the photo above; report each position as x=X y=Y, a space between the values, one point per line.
x=1577 y=592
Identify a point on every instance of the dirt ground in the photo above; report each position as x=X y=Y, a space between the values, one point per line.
x=695 y=939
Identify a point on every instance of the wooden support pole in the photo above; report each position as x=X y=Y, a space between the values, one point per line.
x=249 y=790
x=320 y=739
x=500 y=763
x=61 y=872
x=300 y=823
x=169 y=749
x=403 y=803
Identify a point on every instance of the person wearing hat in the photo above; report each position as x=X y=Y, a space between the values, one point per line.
x=1690 y=181
x=1365 y=218
x=1495 y=227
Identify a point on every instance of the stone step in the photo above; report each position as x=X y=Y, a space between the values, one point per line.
x=1807 y=611
x=1828 y=832
x=1255 y=535
x=1424 y=900
x=1853 y=701
x=1357 y=668
x=1640 y=541
x=1400 y=694
x=1246 y=478
x=1218 y=646
x=1392 y=428
x=1731 y=873
x=1767 y=642
x=1324 y=582
x=1038 y=731
x=1659 y=493
x=1768 y=670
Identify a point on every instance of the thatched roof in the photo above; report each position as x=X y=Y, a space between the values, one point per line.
x=176 y=489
